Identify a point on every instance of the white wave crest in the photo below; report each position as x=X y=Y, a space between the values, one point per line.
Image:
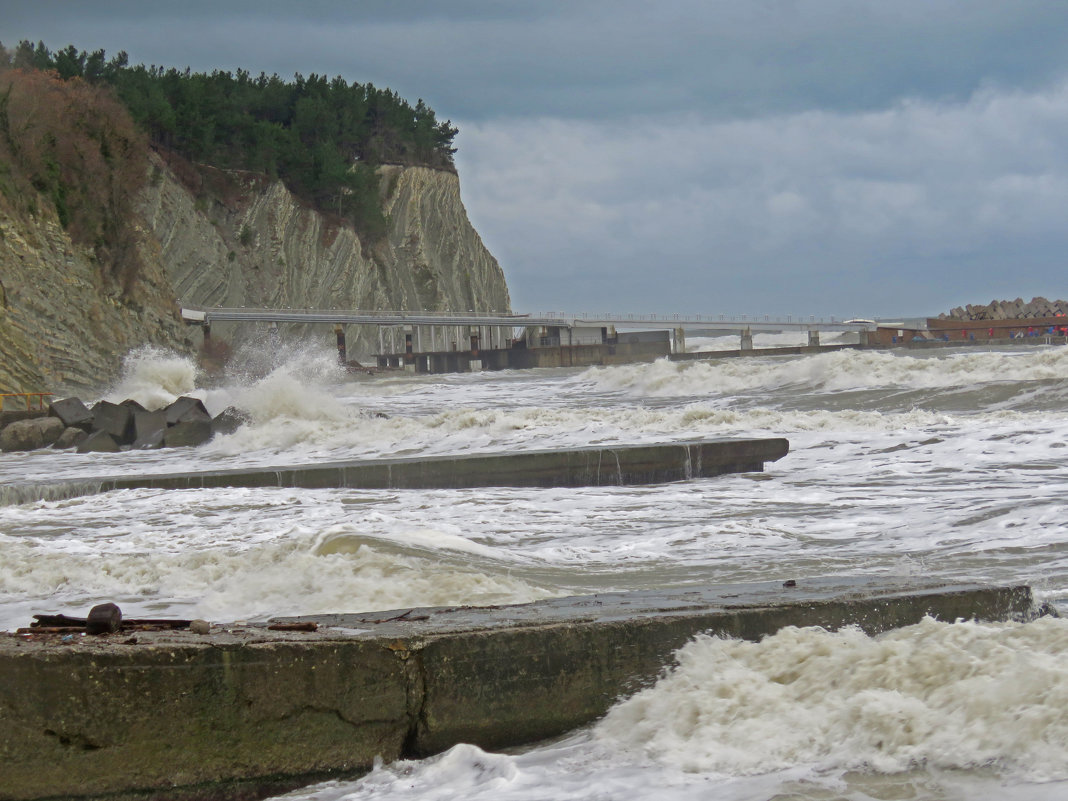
x=154 y=377
x=830 y=372
x=950 y=696
x=291 y=573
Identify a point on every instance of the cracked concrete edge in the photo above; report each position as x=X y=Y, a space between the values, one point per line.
x=242 y=712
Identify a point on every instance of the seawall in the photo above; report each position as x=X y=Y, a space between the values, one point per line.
x=569 y=467
x=244 y=712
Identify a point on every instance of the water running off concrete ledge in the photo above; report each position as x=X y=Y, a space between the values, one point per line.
x=569 y=467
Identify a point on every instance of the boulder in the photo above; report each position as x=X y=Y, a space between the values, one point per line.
x=51 y=429
x=98 y=442
x=228 y=420
x=71 y=437
x=28 y=435
x=149 y=428
x=188 y=433
x=115 y=419
x=150 y=441
x=22 y=435
x=186 y=409
x=72 y=412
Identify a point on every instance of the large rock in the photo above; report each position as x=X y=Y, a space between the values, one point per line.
x=116 y=420
x=99 y=441
x=51 y=429
x=72 y=412
x=149 y=428
x=22 y=435
x=228 y=420
x=188 y=433
x=71 y=437
x=186 y=409
x=29 y=435
x=1009 y=310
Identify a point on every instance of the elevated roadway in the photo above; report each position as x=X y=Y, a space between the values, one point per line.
x=722 y=322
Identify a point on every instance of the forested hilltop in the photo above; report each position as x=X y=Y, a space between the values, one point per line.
x=322 y=137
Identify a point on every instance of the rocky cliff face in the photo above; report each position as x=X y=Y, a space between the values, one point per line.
x=62 y=330
x=262 y=248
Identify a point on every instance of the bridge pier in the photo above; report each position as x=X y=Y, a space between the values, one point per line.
x=680 y=340
x=747 y=339
x=342 y=351
x=813 y=338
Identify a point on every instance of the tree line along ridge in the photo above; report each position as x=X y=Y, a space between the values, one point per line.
x=324 y=138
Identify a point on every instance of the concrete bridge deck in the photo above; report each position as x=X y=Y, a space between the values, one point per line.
x=722 y=322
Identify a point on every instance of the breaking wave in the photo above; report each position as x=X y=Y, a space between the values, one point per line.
x=937 y=695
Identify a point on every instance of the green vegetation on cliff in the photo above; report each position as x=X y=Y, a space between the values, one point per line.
x=73 y=144
x=322 y=137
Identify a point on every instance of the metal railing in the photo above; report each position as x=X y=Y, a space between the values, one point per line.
x=755 y=322
x=32 y=400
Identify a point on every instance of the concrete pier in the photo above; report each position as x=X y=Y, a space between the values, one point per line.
x=244 y=712
x=610 y=465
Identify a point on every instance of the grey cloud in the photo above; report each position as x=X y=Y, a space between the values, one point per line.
x=592 y=58
x=817 y=210
x=829 y=156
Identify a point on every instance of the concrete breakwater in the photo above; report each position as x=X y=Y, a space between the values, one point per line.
x=244 y=711
x=610 y=465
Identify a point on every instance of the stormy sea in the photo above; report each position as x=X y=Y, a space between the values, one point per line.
x=948 y=464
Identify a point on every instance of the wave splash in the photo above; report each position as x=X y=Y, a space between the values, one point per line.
x=833 y=372
x=933 y=695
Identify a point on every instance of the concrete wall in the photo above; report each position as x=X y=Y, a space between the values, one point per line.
x=245 y=712
x=625 y=464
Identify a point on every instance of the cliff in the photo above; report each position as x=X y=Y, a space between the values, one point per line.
x=64 y=327
x=236 y=239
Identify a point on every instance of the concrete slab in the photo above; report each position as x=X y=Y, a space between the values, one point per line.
x=570 y=467
x=245 y=711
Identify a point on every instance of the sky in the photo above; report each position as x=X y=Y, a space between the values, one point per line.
x=857 y=158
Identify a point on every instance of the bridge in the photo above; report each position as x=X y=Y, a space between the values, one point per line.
x=431 y=341
x=711 y=322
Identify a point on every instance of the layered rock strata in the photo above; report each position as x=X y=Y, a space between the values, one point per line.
x=64 y=329
x=262 y=248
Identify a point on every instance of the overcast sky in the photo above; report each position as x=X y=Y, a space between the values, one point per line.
x=845 y=157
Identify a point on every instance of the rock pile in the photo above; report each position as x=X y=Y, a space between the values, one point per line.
x=111 y=427
x=1009 y=310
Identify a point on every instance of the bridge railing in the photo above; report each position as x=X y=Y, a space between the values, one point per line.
x=431 y=317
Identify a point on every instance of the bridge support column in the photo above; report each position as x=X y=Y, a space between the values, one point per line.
x=747 y=339
x=476 y=361
x=864 y=337
x=342 y=355
x=680 y=340
x=409 y=356
x=813 y=339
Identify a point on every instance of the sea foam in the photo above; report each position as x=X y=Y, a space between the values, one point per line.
x=939 y=695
